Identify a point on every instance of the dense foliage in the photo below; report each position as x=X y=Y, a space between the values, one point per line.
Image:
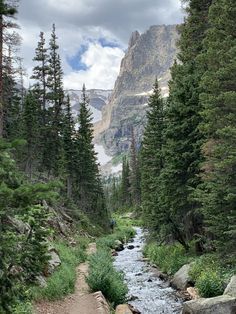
x=52 y=150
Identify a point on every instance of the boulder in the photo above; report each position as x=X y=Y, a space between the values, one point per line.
x=223 y=304
x=114 y=253
x=41 y=281
x=102 y=305
x=231 y=288
x=123 y=309
x=119 y=246
x=193 y=293
x=20 y=226
x=134 y=310
x=130 y=247
x=181 y=279
x=54 y=261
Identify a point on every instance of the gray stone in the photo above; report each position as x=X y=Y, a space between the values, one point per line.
x=54 y=261
x=231 y=288
x=119 y=246
x=41 y=281
x=181 y=279
x=218 y=305
x=130 y=247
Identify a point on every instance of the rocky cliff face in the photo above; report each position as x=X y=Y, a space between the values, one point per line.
x=149 y=55
x=99 y=98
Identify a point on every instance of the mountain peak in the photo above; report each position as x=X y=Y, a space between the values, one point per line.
x=134 y=38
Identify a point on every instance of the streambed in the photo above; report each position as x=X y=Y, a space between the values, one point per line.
x=147 y=292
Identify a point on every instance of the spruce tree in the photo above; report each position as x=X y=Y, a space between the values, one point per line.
x=218 y=192
x=55 y=96
x=30 y=132
x=152 y=160
x=40 y=73
x=7 y=10
x=135 y=186
x=183 y=154
x=89 y=187
x=69 y=147
x=125 y=184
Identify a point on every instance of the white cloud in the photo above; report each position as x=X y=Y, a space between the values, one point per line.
x=103 y=67
x=81 y=21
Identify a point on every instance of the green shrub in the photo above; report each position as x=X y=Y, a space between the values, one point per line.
x=122 y=234
x=202 y=264
x=169 y=258
x=103 y=277
x=23 y=308
x=209 y=284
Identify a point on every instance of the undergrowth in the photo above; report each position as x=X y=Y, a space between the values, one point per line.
x=62 y=281
x=208 y=272
x=103 y=277
x=169 y=258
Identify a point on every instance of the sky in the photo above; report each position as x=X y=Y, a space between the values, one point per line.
x=92 y=34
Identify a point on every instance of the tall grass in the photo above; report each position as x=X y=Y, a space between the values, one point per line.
x=103 y=277
x=62 y=281
x=169 y=258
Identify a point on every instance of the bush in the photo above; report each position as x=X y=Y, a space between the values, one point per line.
x=62 y=281
x=23 y=308
x=169 y=258
x=209 y=284
x=202 y=264
x=103 y=277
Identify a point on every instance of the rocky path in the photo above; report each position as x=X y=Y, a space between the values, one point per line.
x=81 y=301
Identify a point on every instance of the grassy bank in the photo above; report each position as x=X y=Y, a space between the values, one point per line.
x=208 y=272
x=102 y=274
x=62 y=281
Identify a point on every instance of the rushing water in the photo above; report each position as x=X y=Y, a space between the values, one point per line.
x=147 y=292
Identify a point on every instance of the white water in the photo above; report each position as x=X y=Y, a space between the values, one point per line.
x=152 y=295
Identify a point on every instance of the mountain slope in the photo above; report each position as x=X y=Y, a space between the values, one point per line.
x=149 y=55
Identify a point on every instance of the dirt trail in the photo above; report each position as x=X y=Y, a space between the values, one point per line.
x=81 y=301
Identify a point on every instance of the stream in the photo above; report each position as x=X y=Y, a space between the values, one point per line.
x=147 y=292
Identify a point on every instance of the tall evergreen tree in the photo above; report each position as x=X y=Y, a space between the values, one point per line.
x=6 y=10
x=30 y=131
x=125 y=184
x=135 y=179
x=89 y=187
x=218 y=97
x=40 y=73
x=56 y=99
x=69 y=146
x=183 y=138
x=152 y=160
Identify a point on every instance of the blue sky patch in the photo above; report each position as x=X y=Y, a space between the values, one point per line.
x=106 y=43
x=76 y=61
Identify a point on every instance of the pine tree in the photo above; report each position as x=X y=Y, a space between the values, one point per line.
x=152 y=159
x=40 y=73
x=30 y=131
x=6 y=10
x=135 y=186
x=183 y=154
x=89 y=187
x=125 y=184
x=12 y=97
x=69 y=146
x=218 y=192
x=55 y=96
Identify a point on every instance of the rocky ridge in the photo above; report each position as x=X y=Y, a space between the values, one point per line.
x=149 y=55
